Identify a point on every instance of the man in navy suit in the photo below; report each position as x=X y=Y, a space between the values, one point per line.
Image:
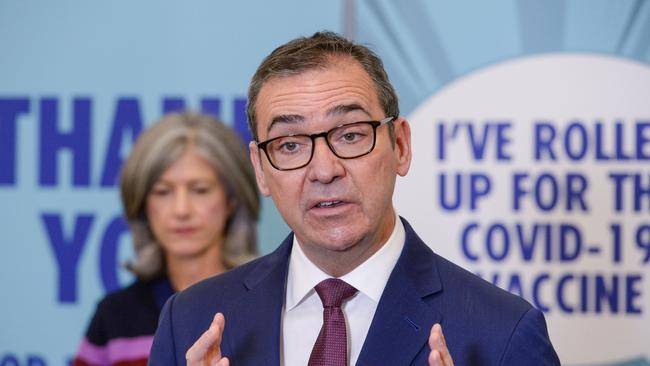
x=329 y=144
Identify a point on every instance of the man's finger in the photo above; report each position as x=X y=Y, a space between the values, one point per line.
x=439 y=355
x=446 y=356
x=434 y=337
x=435 y=359
x=208 y=346
x=223 y=362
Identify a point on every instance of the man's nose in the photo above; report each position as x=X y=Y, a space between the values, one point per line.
x=325 y=166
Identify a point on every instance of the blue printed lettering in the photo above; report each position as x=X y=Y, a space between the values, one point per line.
x=551 y=188
x=9 y=360
x=560 y=291
x=536 y=297
x=570 y=243
x=108 y=257
x=127 y=119
x=173 y=104
x=576 y=293
x=576 y=136
x=475 y=186
x=13 y=360
x=455 y=203
x=640 y=191
x=544 y=137
x=496 y=251
x=211 y=106
x=602 y=141
x=546 y=191
x=562 y=242
x=465 y=242
x=600 y=145
x=67 y=251
x=633 y=293
x=605 y=294
x=584 y=294
x=10 y=109
x=52 y=141
x=643 y=140
x=528 y=245
x=479 y=139
x=241 y=120
x=35 y=361
x=514 y=286
x=620 y=144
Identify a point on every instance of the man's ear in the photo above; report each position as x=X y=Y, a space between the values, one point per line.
x=402 y=145
x=255 y=157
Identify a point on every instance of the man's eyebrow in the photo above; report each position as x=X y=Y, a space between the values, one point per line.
x=345 y=108
x=332 y=112
x=284 y=118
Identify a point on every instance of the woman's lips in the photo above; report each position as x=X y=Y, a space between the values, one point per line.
x=184 y=231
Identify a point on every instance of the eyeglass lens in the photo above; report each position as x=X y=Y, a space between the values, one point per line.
x=347 y=141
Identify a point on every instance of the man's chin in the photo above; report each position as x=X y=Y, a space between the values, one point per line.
x=335 y=238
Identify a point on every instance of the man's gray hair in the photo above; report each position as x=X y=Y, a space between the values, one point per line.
x=308 y=53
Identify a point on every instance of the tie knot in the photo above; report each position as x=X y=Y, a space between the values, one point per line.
x=333 y=292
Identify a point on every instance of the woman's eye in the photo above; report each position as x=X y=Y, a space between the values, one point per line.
x=201 y=190
x=160 y=191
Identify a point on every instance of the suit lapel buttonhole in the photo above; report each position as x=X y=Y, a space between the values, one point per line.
x=415 y=326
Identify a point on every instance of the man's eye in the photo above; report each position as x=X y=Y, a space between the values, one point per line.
x=351 y=136
x=289 y=146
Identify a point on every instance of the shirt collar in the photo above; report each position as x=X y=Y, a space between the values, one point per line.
x=370 y=277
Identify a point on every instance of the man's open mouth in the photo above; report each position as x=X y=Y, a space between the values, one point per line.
x=328 y=204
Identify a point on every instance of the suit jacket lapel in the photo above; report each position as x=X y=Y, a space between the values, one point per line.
x=403 y=320
x=257 y=322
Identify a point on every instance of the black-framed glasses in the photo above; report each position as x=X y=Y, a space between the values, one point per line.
x=347 y=141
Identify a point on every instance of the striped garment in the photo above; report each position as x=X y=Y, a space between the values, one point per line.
x=121 y=331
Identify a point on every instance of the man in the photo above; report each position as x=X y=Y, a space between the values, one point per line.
x=353 y=284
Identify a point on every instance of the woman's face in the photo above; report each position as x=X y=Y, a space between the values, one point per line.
x=188 y=207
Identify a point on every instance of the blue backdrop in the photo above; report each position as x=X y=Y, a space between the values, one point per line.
x=79 y=80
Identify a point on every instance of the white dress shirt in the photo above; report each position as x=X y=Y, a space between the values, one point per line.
x=302 y=314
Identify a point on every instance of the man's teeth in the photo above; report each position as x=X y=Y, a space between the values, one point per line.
x=328 y=203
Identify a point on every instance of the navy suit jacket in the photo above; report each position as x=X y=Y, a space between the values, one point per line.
x=483 y=325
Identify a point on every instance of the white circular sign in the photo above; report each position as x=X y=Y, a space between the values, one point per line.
x=535 y=174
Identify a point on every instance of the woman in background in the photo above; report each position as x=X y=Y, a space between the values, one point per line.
x=189 y=195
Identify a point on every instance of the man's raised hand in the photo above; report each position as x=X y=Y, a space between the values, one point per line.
x=439 y=355
x=206 y=351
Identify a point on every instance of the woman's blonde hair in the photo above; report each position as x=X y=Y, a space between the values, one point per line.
x=158 y=148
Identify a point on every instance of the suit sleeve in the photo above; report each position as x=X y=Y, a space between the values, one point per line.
x=163 y=350
x=530 y=343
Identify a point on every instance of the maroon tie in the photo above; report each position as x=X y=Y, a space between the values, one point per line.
x=331 y=347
